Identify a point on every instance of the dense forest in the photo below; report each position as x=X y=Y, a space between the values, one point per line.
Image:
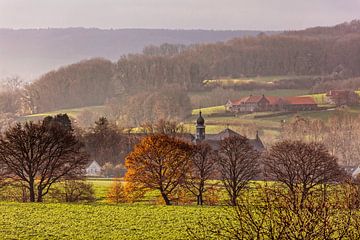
x=327 y=53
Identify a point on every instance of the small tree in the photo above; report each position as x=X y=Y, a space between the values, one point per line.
x=202 y=167
x=238 y=164
x=41 y=154
x=116 y=193
x=159 y=162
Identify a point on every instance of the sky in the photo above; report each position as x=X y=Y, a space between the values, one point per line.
x=177 y=14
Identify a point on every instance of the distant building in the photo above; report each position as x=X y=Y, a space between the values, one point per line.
x=299 y=104
x=214 y=139
x=342 y=97
x=93 y=169
x=270 y=103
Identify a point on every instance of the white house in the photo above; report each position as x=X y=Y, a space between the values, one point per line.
x=93 y=169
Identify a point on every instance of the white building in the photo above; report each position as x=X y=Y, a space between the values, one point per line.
x=93 y=169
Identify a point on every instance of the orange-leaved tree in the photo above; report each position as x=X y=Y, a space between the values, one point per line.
x=159 y=162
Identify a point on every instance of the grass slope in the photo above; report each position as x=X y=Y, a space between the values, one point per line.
x=72 y=112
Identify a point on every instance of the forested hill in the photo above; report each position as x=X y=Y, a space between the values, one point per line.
x=331 y=52
x=32 y=52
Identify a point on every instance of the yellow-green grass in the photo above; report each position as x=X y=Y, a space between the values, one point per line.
x=101 y=187
x=209 y=110
x=72 y=112
x=259 y=79
x=99 y=221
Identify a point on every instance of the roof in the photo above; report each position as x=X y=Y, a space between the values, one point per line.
x=214 y=139
x=300 y=100
x=273 y=100
x=248 y=100
x=227 y=132
x=93 y=163
x=252 y=99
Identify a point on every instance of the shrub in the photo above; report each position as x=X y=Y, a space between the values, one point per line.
x=116 y=193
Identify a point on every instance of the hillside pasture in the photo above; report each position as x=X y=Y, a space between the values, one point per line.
x=72 y=112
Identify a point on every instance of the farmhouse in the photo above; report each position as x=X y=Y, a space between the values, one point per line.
x=342 y=97
x=93 y=169
x=214 y=139
x=270 y=103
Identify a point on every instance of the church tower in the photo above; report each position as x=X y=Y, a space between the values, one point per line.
x=200 y=128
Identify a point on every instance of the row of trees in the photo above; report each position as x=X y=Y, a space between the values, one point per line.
x=164 y=163
x=338 y=133
x=309 y=199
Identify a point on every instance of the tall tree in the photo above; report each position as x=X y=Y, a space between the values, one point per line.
x=301 y=168
x=238 y=164
x=202 y=168
x=159 y=162
x=106 y=143
x=40 y=154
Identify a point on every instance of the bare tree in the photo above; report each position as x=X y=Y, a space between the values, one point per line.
x=41 y=154
x=238 y=164
x=202 y=168
x=301 y=167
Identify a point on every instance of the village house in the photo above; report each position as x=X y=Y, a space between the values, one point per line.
x=93 y=169
x=342 y=97
x=270 y=103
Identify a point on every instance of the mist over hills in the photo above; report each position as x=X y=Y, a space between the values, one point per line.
x=32 y=52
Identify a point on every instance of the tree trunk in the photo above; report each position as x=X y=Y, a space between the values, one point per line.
x=166 y=198
x=40 y=196
x=233 y=200
x=200 y=200
x=31 y=191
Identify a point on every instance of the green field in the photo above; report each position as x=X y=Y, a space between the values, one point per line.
x=72 y=112
x=259 y=79
x=98 y=221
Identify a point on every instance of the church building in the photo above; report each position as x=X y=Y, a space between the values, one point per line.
x=214 y=139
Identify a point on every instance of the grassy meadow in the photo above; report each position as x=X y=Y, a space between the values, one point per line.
x=99 y=220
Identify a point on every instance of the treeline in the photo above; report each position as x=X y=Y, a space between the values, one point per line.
x=93 y=82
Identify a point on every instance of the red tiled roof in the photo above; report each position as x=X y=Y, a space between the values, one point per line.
x=248 y=99
x=253 y=99
x=273 y=100
x=235 y=101
x=300 y=100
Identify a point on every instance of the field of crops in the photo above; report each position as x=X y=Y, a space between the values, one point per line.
x=98 y=221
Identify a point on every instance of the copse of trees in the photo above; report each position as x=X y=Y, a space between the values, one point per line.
x=41 y=154
x=106 y=143
x=302 y=202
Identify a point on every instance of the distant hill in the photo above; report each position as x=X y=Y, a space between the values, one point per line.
x=31 y=52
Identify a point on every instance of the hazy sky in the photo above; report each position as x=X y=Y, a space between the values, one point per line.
x=176 y=14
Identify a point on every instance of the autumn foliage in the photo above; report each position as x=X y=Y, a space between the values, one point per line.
x=159 y=162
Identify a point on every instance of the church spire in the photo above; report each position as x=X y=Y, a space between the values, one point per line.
x=200 y=128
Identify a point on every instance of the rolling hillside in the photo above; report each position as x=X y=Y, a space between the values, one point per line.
x=31 y=52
